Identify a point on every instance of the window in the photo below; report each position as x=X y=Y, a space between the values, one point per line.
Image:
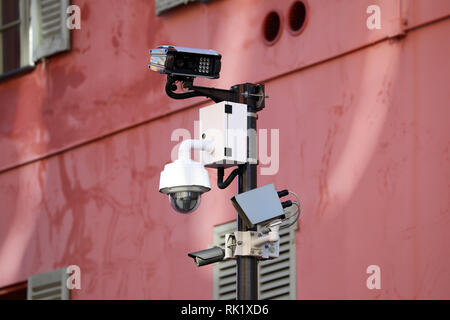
x=165 y=5
x=276 y=278
x=49 y=286
x=14 y=41
x=31 y=30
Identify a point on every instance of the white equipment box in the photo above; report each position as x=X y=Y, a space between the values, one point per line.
x=225 y=124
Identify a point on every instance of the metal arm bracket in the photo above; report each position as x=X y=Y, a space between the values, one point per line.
x=250 y=94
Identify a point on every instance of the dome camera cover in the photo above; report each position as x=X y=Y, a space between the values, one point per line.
x=184 y=175
x=184 y=181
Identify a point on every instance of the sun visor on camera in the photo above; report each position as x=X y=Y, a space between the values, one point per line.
x=208 y=256
x=258 y=205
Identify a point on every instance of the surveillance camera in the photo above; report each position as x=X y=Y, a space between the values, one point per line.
x=207 y=256
x=184 y=181
x=186 y=62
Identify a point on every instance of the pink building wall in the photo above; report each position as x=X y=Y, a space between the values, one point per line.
x=364 y=140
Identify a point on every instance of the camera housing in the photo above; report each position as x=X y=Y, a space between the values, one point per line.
x=207 y=256
x=224 y=123
x=184 y=181
x=187 y=62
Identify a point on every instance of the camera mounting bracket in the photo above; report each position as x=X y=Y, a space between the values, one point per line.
x=250 y=94
x=254 y=244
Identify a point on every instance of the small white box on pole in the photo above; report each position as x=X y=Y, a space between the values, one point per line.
x=225 y=124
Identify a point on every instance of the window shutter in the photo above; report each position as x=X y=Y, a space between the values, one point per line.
x=49 y=286
x=164 y=5
x=276 y=278
x=224 y=273
x=50 y=33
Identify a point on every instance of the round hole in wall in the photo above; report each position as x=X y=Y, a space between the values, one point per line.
x=297 y=17
x=272 y=27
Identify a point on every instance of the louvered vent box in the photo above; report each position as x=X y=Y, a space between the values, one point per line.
x=50 y=32
x=225 y=123
x=49 y=286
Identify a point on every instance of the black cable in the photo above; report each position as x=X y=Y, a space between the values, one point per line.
x=298 y=211
x=286 y=204
x=220 y=174
x=296 y=219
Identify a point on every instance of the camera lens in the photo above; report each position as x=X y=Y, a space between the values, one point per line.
x=185 y=201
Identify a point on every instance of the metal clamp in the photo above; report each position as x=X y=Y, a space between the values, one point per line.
x=254 y=244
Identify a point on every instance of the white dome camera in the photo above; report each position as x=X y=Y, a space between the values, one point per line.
x=185 y=180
